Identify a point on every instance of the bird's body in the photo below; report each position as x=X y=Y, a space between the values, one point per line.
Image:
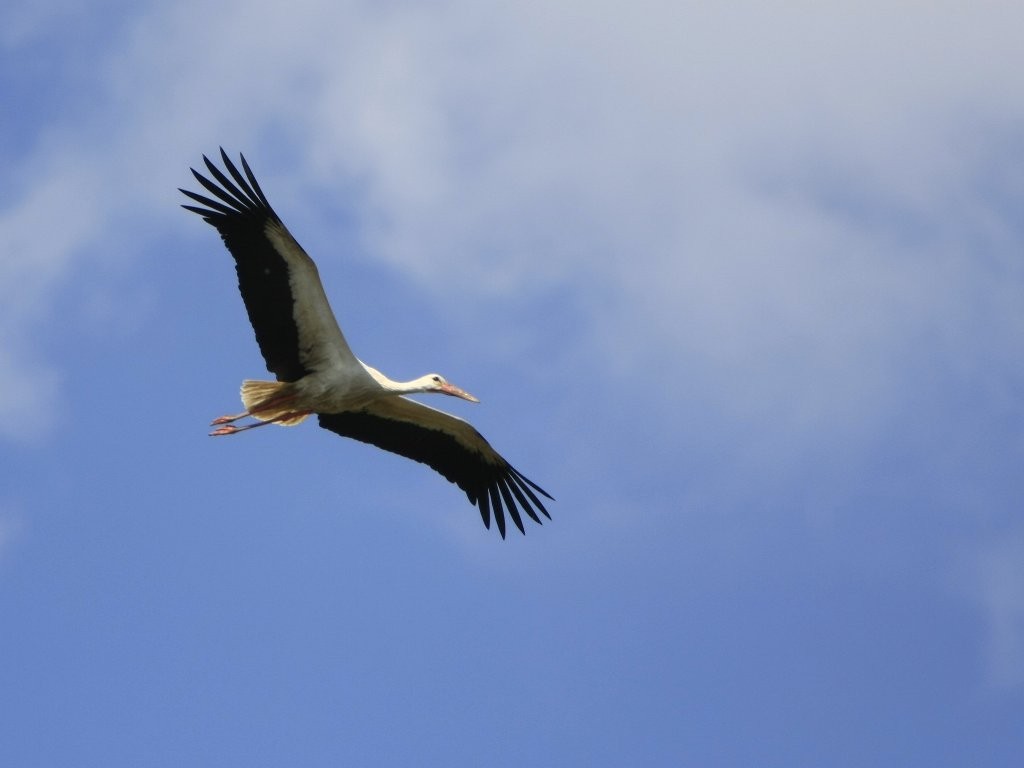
x=316 y=371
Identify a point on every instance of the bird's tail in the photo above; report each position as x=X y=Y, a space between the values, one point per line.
x=271 y=401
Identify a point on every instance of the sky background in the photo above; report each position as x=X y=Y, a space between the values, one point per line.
x=740 y=284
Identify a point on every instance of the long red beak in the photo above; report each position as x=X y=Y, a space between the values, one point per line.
x=451 y=389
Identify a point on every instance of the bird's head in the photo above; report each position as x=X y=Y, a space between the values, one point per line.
x=435 y=382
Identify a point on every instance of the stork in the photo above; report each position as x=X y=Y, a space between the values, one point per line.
x=317 y=373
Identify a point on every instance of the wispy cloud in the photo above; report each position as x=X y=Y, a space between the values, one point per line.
x=50 y=227
x=777 y=203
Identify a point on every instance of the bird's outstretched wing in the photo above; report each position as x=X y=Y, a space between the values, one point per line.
x=295 y=327
x=450 y=446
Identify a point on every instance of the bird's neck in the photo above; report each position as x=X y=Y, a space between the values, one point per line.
x=421 y=384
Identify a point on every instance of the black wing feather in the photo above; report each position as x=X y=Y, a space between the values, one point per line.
x=241 y=219
x=492 y=485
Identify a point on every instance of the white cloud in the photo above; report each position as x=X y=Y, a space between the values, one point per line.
x=42 y=235
x=775 y=201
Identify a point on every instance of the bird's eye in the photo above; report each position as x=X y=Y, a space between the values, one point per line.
x=437 y=379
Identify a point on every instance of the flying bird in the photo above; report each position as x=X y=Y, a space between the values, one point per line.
x=316 y=372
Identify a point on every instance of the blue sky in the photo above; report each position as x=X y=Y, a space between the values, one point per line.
x=743 y=288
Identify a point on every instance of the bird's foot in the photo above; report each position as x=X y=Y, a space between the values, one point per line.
x=225 y=419
x=228 y=430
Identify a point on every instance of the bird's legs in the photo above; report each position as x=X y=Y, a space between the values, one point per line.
x=277 y=405
x=229 y=419
x=231 y=429
x=269 y=404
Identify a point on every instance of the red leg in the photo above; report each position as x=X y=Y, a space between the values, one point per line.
x=229 y=419
x=231 y=429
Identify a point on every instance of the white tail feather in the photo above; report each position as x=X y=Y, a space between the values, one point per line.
x=271 y=401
